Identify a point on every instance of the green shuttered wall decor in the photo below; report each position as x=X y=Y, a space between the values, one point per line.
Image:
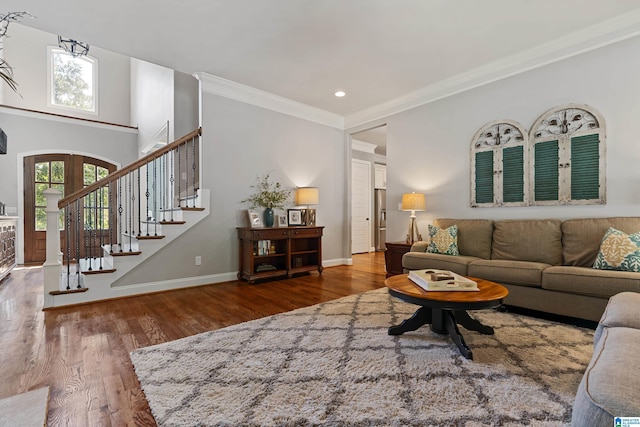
x=561 y=161
x=546 y=171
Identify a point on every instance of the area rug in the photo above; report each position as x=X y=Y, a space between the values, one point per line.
x=334 y=364
x=25 y=410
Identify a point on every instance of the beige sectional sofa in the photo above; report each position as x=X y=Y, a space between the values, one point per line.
x=609 y=387
x=546 y=264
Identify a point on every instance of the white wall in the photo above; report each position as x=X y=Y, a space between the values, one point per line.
x=429 y=146
x=240 y=142
x=152 y=97
x=26 y=51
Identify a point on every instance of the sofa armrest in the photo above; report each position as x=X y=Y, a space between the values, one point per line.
x=419 y=247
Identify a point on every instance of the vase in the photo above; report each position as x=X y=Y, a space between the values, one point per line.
x=268 y=217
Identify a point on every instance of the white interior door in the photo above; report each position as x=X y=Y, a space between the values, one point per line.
x=360 y=206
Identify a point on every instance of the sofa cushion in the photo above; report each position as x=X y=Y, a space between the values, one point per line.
x=510 y=272
x=581 y=238
x=619 y=251
x=538 y=240
x=589 y=281
x=424 y=260
x=474 y=235
x=622 y=310
x=443 y=240
x=609 y=387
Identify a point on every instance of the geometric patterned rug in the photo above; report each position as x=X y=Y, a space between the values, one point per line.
x=334 y=364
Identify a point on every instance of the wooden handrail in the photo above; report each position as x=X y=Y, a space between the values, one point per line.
x=128 y=169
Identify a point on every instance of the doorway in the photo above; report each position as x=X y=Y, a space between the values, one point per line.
x=66 y=173
x=369 y=146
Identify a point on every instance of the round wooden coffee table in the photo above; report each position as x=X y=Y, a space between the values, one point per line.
x=445 y=310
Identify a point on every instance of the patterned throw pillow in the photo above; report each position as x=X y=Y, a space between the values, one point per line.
x=443 y=240
x=619 y=251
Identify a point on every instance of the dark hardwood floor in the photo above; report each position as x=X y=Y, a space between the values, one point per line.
x=82 y=352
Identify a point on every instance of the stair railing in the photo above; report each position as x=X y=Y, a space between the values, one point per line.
x=112 y=214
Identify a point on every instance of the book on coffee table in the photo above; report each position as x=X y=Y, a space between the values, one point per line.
x=442 y=280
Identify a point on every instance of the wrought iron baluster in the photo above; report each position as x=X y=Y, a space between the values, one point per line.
x=120 y=223
x=78 y=231
x=130 y=213
x=139 y=205
x=155 y=196
x=179 y=177
x=146 y=169
x=101 y=227
x=193 y=172
x=110 y=217
x=67 y=232
x=171 y=182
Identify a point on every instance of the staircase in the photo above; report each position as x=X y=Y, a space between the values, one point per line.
x=99 y=234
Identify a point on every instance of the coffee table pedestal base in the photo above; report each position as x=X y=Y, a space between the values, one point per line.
x=443 y=322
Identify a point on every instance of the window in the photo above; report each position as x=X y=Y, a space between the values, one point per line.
x=72 y=81
x=498 y=166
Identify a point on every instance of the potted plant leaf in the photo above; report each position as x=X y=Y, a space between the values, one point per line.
x=267 y=195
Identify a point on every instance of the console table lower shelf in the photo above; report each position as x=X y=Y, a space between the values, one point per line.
x=269 y=253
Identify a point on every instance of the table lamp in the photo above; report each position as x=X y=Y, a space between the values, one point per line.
x=413 y=202
x=308 y=196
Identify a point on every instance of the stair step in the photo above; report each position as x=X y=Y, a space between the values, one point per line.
x=68 y=291
x=98 y=271
x=192 y=209
x=172 y=222
x=125 y=253
x=142 y=237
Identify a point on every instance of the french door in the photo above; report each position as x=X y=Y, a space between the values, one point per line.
x=67 y=173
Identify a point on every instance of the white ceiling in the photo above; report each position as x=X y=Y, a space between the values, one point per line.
x=377 y=51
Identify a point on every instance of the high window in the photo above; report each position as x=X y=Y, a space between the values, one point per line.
x=72 y=81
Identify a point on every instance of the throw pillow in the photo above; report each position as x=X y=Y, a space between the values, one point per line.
x=443 y=240
x=619 y=251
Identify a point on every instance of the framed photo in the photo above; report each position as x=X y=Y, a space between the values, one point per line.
x=255 y=220
x=295 y=217
x=282 y=221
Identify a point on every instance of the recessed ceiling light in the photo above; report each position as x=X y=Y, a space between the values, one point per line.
x=340 y=94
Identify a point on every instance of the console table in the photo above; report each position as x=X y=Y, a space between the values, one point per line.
x=7 y=245
x=279 y=251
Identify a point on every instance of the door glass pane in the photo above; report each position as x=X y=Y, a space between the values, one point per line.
x=41 y=219
x=102 y=172
x=57 y=172
x=42 y=172
x=60 y=188
x=89 y=174
x=40 y=199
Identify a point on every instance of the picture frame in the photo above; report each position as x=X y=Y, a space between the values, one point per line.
x=295 y=217
x=282 y=221
x=255 y=219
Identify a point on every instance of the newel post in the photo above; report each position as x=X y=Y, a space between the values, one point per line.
x=52 y=267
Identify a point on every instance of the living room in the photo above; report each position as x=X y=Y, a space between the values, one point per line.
x=429 y=141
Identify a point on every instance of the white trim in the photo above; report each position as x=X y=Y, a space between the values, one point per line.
x=68 y=120
x=365 y=147
x=336 y=262
x=249 y=95
x=602 y=34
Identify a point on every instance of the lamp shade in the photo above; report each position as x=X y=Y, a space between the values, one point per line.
x=413 y=202
x=307 y=196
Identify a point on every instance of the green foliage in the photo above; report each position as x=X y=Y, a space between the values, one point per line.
x=267 y=194
x=69 y=86
x=6 y=72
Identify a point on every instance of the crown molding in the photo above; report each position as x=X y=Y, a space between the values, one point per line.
x=365 y=147
x=249 y=95
x=590 y=38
